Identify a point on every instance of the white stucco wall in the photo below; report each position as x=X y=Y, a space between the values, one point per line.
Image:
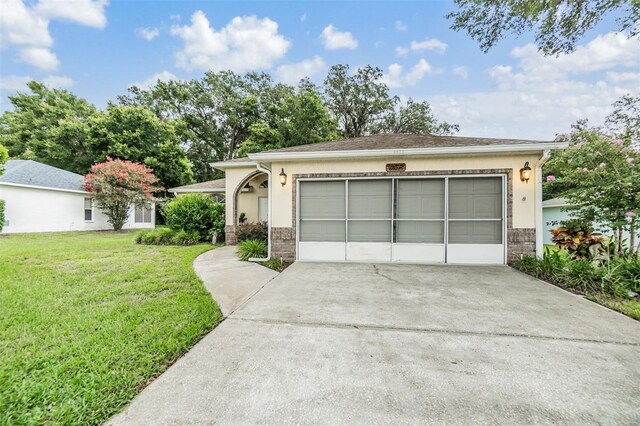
x=44 y=210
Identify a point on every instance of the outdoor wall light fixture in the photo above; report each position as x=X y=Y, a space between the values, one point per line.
x=283 y=178
x=525 y=173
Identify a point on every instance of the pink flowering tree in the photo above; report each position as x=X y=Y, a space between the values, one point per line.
x=117 y=185
x=599 y=175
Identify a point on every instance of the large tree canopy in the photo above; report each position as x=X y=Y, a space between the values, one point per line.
x=60 y=129
x=359 y=100
x=414 y=117
x=40 y=124
x=558 y=24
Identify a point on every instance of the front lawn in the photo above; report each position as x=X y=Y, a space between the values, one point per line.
x=88 y=319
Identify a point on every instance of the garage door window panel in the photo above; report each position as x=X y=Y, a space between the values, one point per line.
x=322 y=211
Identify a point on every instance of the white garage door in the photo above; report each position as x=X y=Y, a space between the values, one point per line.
x=430 y=220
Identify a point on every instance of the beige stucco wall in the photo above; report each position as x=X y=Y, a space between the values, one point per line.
x=524 y=194
x=247 y=201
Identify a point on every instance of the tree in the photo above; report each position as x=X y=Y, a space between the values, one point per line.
x=134 y=133
x=4 y=156
x=624 y=121
x=601 y=181
x=416 y=118
x=357 y=101
x=298 y=118
x=558 y=24
x=117 y=186
x=216 y=112
x=45 y=125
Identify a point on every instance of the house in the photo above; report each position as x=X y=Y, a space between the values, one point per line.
x=554 y=212
x=395 y=198
x=42 y=198
x=215 y=188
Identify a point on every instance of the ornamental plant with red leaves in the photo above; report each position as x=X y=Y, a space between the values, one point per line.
x=118 y=185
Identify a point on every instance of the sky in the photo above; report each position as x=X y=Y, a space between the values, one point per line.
x=98 y=48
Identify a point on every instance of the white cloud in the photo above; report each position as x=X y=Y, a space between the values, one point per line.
x=58 y=81
x=14 y=82
x=541 y=96
x=432 y=44
x=147 y=33
x=395 y=78
x=334 y=39
x=153 y=79
x=25 y=26
x=303 y=17
x=400 y=26
x=460 y=72
x=293 y=73
x=246 y=43
x=85 y=12
x=20 y=25
x=39 y=57
x=401 y=51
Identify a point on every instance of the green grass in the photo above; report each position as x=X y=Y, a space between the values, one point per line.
x=630 y=308
x=88 y=319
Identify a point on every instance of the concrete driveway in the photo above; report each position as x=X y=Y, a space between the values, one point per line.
x=404 y=344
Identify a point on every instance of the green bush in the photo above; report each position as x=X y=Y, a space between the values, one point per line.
x=185 y=238
x=252 y=249
x=252 y=231
x=609 y=276
x=158 y=236
x=195 y=212
x=1 y=215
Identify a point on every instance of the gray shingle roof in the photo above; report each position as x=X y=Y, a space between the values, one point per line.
x=217 y=185
x=401 y=141
x=32 y=173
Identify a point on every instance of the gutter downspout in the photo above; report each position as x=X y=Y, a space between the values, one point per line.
x=266 y=170
x=539 y=228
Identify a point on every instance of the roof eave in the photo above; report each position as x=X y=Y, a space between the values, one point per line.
x=182 y=191
x=373 y=153
x=20 y=185
x=222 y=165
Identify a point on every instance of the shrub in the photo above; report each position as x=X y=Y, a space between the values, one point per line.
x=1 y=214
x=550 y=267
x=195 y=212
x=158 y=236
x=252 y=249
x=185 y=238
x=577 y=238
x=252 y=231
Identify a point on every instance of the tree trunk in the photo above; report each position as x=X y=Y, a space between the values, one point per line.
x=632 y=236
x=619 y=242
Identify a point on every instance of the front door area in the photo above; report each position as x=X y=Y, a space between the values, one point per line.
x=448 y=219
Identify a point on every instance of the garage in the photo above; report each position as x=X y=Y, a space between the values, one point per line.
x=434 y=219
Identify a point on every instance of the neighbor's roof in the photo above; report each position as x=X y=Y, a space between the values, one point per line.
x=397 y=144
x=216 y=186
x=32 y=173
x=555 y=202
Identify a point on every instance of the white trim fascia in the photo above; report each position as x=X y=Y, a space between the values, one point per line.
x=187 y=191
x=221 y=165
x=456 y=150
x=559 y=204
x=19 y=185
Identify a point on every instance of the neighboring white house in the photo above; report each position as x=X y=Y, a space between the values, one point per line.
x=42 y=198
x=553 y=212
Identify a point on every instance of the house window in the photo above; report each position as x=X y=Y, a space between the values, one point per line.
x=88 y=210
x=143 y=214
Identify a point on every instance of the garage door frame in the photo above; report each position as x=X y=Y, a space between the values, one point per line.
x=504 y=174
